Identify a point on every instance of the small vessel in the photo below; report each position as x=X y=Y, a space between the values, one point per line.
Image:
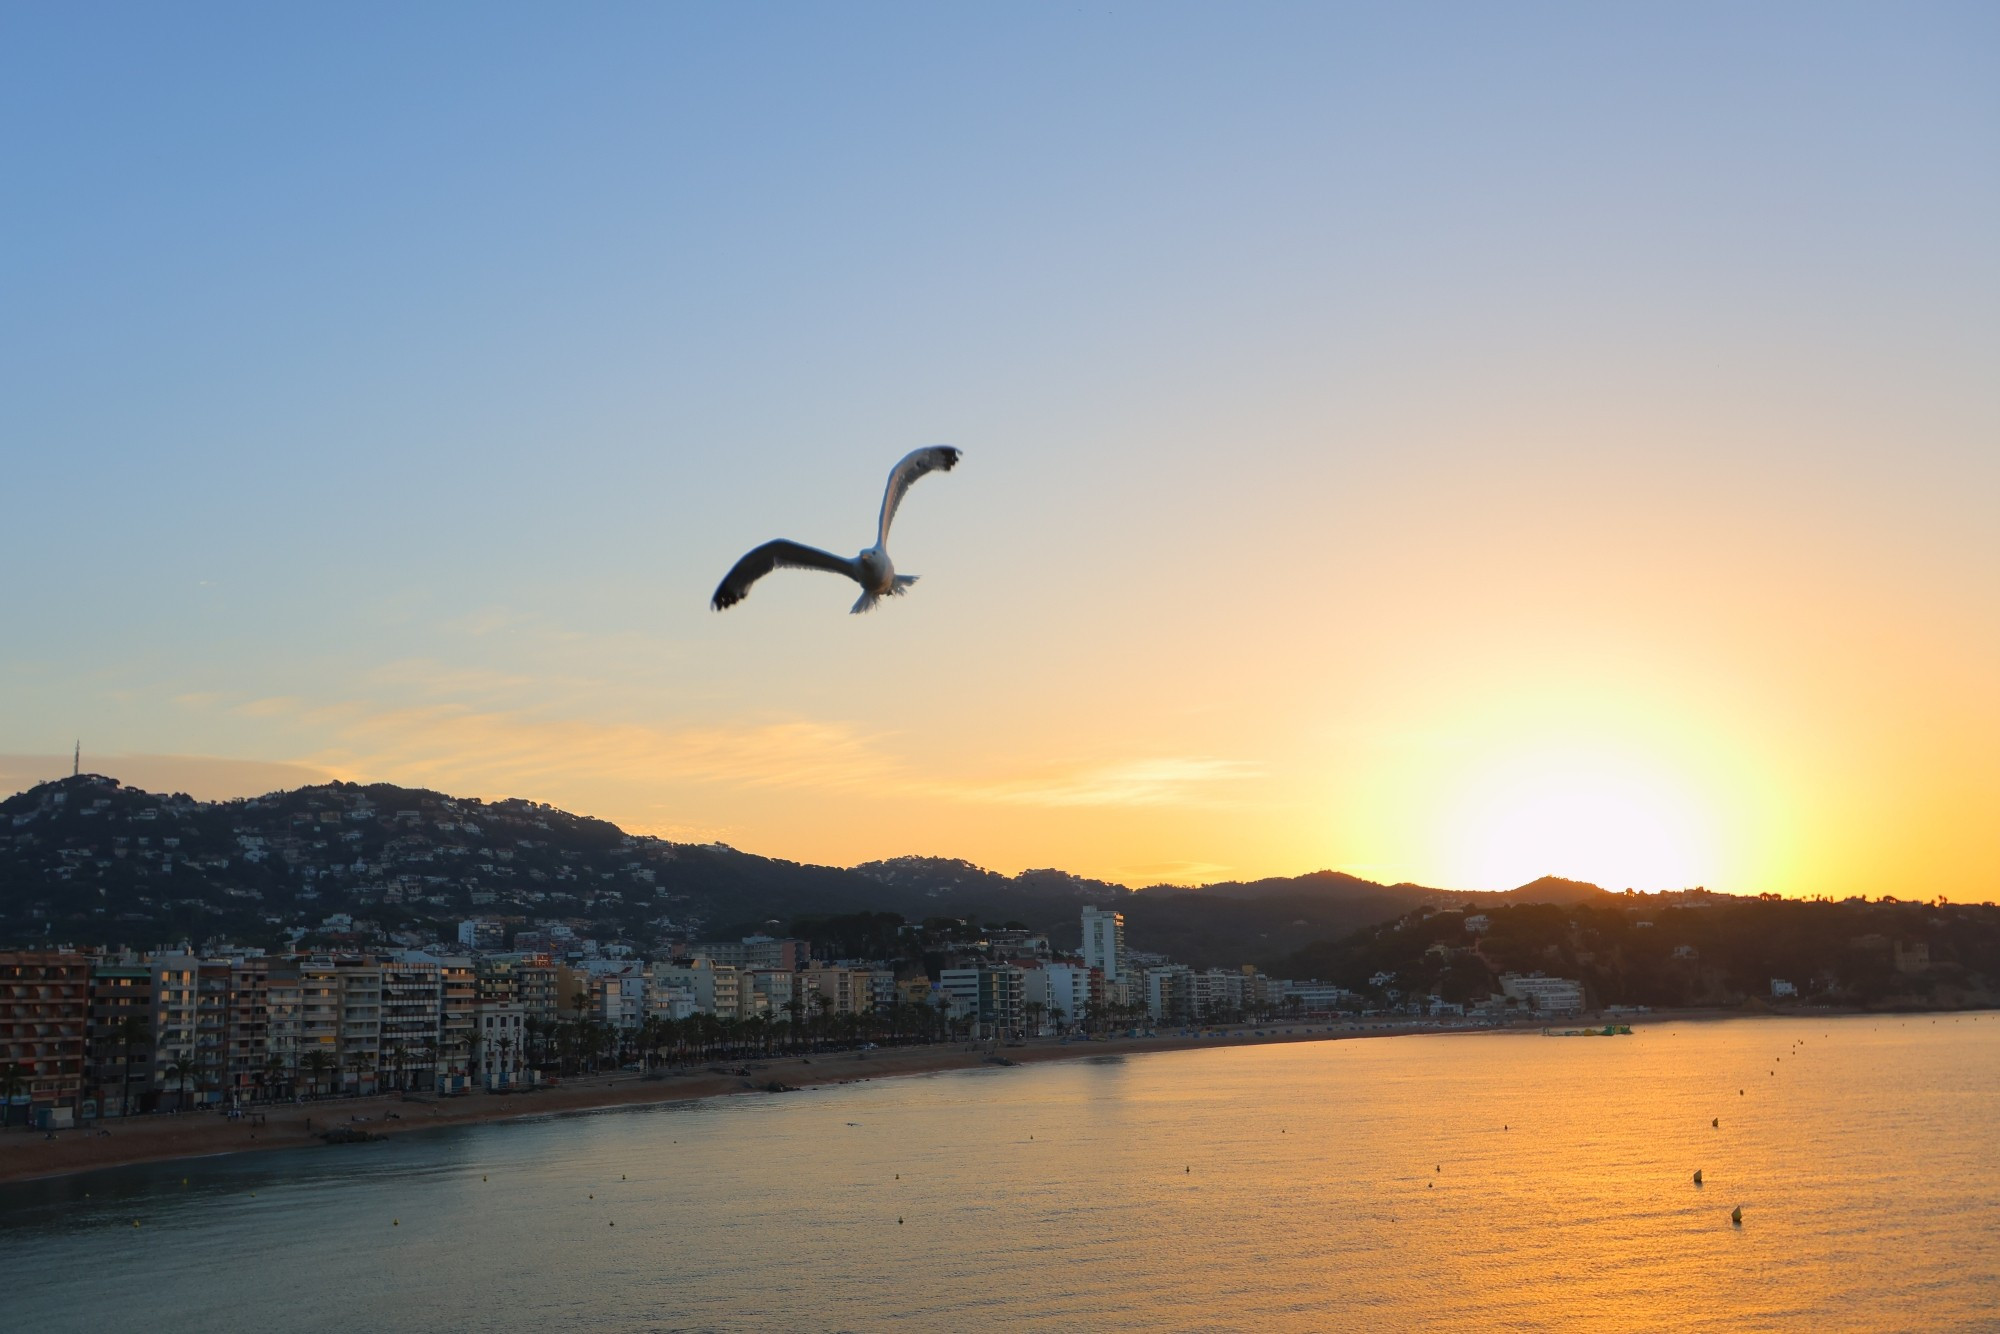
x=1697 y=1176
x=1736 y=1215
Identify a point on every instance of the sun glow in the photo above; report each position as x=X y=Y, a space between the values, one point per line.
x=1596 y=817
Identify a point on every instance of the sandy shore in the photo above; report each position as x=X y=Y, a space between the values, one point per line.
x=160 y=1138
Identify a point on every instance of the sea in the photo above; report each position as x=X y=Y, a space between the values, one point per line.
x=1504 y=1181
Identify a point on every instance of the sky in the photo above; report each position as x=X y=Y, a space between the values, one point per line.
x=1440 y=443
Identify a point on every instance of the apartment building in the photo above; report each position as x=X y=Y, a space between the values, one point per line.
x=44 y=1029
x=412 y=1022
x=247 y=1029
x=119 y=1048
x=1068 y=993
x=846 y=990
x=175 y=980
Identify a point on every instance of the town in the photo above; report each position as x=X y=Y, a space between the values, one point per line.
x=105 y=1034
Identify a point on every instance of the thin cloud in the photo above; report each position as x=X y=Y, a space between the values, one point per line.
x=1166 y=781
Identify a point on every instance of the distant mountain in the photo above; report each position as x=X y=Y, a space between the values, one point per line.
x=1554 y=889
x=86 y=861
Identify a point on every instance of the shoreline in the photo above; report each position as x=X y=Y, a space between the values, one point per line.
x=170 y=1137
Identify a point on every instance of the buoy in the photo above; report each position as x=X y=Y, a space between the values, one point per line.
x=1430 y=1185
x=1736 y=1215
x=1715 y=1121
x=135 y=1222
x=593 y=1197
x=395 y=1222
x=899 y=1222
x=1697 y=1176
x=1440 y=1167
x=611 y=1225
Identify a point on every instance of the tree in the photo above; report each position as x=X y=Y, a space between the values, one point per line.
x=183 y=1069
x=274 y=1066
x=13 y=1083
x=130 y=1031
x=317 y=1062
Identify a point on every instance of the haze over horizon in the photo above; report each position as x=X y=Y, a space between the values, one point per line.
x=1551 y=439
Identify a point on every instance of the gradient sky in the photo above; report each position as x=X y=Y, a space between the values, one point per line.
x=1449 y=443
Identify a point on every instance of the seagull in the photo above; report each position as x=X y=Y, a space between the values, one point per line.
x=871 y=569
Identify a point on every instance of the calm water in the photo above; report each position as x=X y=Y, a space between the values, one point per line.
x=1502 y=1181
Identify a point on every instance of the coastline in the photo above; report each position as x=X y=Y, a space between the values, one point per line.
x=168 y=1137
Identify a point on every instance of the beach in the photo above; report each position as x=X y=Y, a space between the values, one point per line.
x=163 y=1137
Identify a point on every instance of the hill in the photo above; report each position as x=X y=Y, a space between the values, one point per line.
x=1689 y=949
x=88 y=861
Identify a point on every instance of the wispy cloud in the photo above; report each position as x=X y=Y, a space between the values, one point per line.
x=486 y=621
x=459 y=734
x=1161 y=781
x=504 y=751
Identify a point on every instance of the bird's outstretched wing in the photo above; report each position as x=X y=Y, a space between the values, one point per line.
x=781 y=554
x=931 y=458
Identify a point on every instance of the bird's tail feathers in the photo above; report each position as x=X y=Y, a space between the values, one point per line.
x=867 y=601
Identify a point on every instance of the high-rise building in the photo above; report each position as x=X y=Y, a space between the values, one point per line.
x=1104 y=942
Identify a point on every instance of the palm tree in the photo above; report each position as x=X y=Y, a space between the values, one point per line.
x=273 y=1068
x=1033 y=1011
x=317 y=1062
x=824 y=1004
x=795 y=1009
x=183 y=1069
x=130 y=1032
x=506 y=1046
x=399 y=1058
x=362 y=1063
x=13 y=1083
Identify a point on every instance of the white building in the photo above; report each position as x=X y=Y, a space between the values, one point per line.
x=1068 y=993
x=1312 y=997
x=1551 y=995
x=500 y=1046
x=1104 y=942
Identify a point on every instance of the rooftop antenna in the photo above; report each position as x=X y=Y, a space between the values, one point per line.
x=76 y=764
